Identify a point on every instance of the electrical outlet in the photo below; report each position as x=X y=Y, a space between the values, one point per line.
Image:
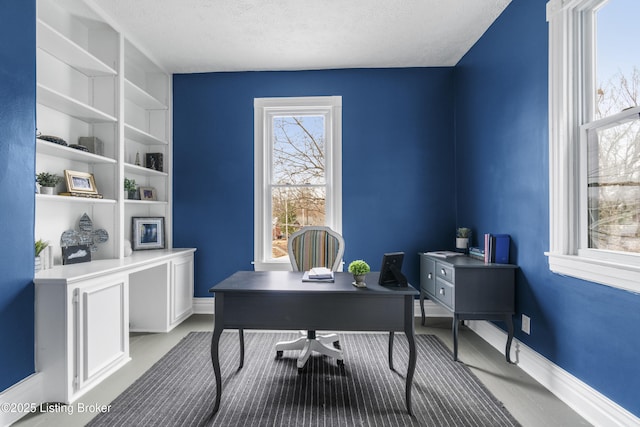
x=526 y=324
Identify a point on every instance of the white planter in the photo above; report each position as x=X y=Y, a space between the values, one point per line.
x=46 y=190
x=462 y=242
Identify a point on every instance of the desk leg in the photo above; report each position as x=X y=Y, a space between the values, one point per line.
x=422 y=305
x=454 y=327
x=391 y=350
x=410 y=333
x=241 y=337
x=215 y=360
x=508 y=319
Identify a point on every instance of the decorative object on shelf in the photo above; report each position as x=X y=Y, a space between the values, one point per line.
x=130 y=188
x=147 y=233
x=81 y=184
x=359 y=269
x=127 y=247
x=40 y=246
x=85 y=236
x=47 y=182
x=79 y=147
x=51 y=138
x=148 y=193
x=137 y=163
x=93 y=144
x=155 y=161
x=75 y=254
x=463 y=234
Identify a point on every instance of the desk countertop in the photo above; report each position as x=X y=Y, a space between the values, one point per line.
x=291 y=282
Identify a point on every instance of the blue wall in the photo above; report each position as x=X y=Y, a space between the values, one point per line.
x=501 y=110
x=17 y=179
x=397 y=162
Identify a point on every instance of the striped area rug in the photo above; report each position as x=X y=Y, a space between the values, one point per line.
x=179 y=390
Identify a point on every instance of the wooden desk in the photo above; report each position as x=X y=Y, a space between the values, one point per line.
x=280 y=300
x=471 y=290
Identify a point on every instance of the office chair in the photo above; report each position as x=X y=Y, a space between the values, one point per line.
x=309 y=247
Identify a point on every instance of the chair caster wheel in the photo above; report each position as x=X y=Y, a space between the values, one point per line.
x=336 y=344
x=279 y=354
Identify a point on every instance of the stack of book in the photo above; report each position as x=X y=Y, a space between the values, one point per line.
x=496 y=248
x=318 y=274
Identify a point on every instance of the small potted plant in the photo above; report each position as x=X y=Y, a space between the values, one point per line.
x=130 y=188
x=47 y=182
x=359 y=269
x=462 y=238
x=39 y=247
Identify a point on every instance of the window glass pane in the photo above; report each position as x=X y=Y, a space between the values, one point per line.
x=292 y=208
x=613 y=168
x=617 y=57
x=298 y=150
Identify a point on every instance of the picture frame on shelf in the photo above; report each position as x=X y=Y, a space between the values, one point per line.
x=148 y=193
x=154 y=161
x=80 y=182
x=147 y=233
x=75 y=254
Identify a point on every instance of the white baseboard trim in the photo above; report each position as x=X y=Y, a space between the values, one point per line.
x=204 y=305
x=21 y=399
x=593 y=406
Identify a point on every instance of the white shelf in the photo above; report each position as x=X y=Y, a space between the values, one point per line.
x=71 y=199
x=72 y=107
x=141 y=97
x=71 y=53
x=139 y=170
x=138 y=135
x=144 y=202
x=57 y=150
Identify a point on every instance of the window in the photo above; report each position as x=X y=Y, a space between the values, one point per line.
x=298 y=172
x=594 y=158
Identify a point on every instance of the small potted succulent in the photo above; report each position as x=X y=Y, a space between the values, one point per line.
x=47 y=182
x=39 y=247
x=359 y=269
x=462 y=238
x=130 y=188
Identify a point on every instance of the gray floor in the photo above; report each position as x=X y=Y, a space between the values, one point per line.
x=528 y=401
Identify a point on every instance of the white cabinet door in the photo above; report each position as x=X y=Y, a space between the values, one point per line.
x=181 y=289
x=103 y=325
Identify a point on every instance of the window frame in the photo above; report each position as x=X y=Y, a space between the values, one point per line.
x=571 y=54
x=264 y=110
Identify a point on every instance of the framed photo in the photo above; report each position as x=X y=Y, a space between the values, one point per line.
x=148 y=193
x=148 y=233
x=75 y=254
x=80 y=182
x=155 y=161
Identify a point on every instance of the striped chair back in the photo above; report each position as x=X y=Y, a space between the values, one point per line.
x=315 y=246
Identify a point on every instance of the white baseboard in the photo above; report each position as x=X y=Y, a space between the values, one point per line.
x=593 y=406
x=20 y=399
x=204 y=305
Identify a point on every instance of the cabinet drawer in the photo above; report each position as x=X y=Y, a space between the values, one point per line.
x=427 y=275
x=445 y=272
x=445 y=293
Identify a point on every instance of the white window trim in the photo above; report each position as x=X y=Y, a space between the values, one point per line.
x=264 y=109
x=565 y=117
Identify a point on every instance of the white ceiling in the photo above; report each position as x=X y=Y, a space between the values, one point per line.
x=188 y=36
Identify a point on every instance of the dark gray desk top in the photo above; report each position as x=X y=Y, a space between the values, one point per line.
x=291 y=282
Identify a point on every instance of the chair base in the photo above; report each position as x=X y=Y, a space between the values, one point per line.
x=327 y=345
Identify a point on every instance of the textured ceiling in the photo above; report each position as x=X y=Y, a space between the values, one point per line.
x=187 y=36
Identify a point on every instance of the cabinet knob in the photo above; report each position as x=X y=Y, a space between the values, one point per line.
x=441 y=292
x=429 y=276
x=443 y=271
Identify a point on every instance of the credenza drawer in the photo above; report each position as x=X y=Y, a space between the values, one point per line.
x=445 y=272
x=445 y=292
x=428 y=275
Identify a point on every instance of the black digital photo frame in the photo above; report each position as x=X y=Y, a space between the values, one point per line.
x=391 y=270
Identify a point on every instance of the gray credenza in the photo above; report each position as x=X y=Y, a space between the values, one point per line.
x=470 y=289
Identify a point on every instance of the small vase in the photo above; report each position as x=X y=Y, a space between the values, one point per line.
x=359 y=280
x=46 y=190
x=38 y=264
x=462 y=243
